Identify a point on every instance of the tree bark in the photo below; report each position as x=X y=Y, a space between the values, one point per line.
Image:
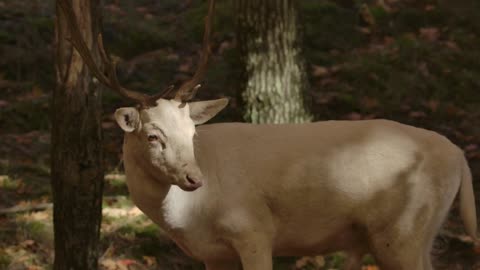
x=274 y=75
x=77 y=155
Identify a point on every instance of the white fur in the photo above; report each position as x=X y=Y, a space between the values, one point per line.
x=301 y=189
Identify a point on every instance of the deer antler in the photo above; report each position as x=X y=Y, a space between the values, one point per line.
x=186 y=91
x=189 y=88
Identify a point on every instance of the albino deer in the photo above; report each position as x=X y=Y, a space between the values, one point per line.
x=237 y=194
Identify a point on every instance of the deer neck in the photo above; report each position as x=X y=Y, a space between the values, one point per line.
x=148 y=189
x=166 y=204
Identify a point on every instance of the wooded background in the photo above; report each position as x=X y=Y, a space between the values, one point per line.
x=417 y=62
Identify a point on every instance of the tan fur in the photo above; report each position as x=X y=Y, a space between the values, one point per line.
x=374 y=186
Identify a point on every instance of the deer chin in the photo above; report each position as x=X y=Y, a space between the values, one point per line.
x=190 y=187
x=190 y=184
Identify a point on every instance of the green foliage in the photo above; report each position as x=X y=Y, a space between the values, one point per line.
x=34 y=228
x=335 y=261
x=194 y=18
x=4 y=259
x=411 y=55
x=25 y=116
x=130 y=40
x=8 y=183
x=369 y=260
x=329 y=26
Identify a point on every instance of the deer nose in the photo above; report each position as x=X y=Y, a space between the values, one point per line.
x=194 y=182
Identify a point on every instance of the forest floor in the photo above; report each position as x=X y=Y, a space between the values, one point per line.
x=416 y=62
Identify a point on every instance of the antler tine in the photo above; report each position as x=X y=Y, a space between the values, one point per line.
x=188 y=89
x=80 y=45
x=163 y=94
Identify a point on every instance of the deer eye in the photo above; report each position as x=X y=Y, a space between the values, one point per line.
x=152 y=138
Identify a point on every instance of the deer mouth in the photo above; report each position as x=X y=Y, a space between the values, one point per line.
x=191 y=184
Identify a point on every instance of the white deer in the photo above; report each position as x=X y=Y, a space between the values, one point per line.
x=301 y=189
x=237 y=194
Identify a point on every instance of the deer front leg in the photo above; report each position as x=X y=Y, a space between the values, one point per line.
x=255 y=252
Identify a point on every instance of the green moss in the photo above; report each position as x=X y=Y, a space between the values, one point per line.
x=40 y=231
x=369 y=260
x=116 y=180
x=148 y=231
x=8 y=183
x=5 y=260
x=127 y=230
x=35 y=227
x=335 y=261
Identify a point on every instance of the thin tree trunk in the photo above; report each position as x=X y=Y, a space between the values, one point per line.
x=274 y=69
x=77 y=155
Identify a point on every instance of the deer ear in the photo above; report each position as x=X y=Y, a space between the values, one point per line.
x=202 y=111
x=127 y=118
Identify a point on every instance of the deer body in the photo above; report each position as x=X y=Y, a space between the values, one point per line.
x=361 y=186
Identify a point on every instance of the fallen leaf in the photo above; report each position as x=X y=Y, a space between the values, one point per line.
x=135 y=211
x=115 y=9
x=127 y=262
x=3 y=103
x=354 y=116
x=417 y=114
x=405 y=107
x=430 y=33
x=302 y=262
x=470 y=147
x=364 y=30
x=27 y=243
x=423 y=68
x=142 y=9
x=432 y=105
x=328 y=81
x=370 y=267
x=319 y=71
x=388 y=41
x=476 y=249
x=172 y=57
x=335 y=69
x=452 y=45
x=369 y=102
x=454 y=110
x=108 y=264
x=150 y=261
x=384 y=5
x=319 y=261
x=367 y=15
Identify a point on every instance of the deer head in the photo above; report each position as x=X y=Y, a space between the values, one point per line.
x=161 y=128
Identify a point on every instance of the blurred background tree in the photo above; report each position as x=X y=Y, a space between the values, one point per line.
x=77 y=154
x=274 y=81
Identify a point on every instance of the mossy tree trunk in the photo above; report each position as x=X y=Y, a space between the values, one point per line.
x=77 y=155
x=275 y=79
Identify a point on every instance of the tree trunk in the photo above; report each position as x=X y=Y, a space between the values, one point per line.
x=77 y=155
x=275 y=80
